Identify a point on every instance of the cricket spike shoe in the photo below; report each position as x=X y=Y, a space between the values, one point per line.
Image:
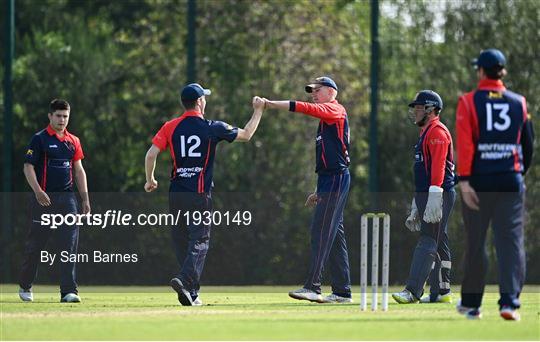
x=468 y=312
x=335 y=299
x=404 y=297
x=197 y=301
x=474 y=314
x=26 y=295
x=305 y=294
x=509 y=313
x=184 y=297
x=71 y=298
x=445 y=298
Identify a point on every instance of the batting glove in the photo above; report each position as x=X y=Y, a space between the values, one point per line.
x=413 y=221
x=433 y=213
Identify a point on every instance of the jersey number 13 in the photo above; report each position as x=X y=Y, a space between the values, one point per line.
x=501 y=112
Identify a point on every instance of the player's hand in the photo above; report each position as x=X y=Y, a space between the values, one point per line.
x=43 y=199
x=312 y=200
x=413 y=220
x=433 y=212
x=151 y=185
x=85 y=207
x=258 y=103
x=469 y=195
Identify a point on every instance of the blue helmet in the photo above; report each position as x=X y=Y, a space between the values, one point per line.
x=427 y=98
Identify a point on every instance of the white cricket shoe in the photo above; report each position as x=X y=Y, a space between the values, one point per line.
x=305 y=294
x=197 y=302
x=445 y=298
x=71 y=298
x=335 y=299
x=404 y=297
x=26 y=295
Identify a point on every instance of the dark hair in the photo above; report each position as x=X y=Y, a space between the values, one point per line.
x=189 y=104
x=58 y=104
x=494 y=73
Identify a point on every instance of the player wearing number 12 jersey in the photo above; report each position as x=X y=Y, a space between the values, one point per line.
x=192 y=140
x=495 y=146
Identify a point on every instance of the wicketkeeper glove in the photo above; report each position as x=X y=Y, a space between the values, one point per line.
x=433 y=213
x=413 y=221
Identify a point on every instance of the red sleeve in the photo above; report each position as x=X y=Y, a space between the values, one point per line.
x=466 y=134
x=437 y=142
x=78 y=150
x=524 y=105
x=323 y=111
x=162 y=138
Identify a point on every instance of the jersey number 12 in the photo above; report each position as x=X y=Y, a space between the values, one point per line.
x=194 y=142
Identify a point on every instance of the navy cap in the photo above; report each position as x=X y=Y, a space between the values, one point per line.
x=321 y=81
x=193 y=91
x=490 y=58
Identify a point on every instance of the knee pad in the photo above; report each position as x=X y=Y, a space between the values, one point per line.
x=428 y=244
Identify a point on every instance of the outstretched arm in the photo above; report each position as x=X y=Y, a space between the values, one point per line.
x=282 y=105
x=323 y=111
x=248 y=131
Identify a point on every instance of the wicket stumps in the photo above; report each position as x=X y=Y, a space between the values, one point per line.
x=374 y=259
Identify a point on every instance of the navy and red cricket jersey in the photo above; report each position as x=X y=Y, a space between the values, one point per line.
x=53 y=157
x=489 y=127
x=434 y=158
x=332 y=143
x=192 y=141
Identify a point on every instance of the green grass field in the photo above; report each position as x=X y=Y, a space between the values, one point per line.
x=247 y=313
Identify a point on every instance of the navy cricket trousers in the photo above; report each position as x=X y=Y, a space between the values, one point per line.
x=190 y=241
x=328 y=235
x=432 y=255
x=66 y=239
x=502 y=200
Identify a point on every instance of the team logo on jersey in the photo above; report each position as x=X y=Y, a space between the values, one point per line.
x=436 y=141
x=30 y=152
x=495 y=95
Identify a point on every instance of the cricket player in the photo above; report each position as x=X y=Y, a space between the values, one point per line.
x=332 y=157
x=432 y=204
x=495 y=147
x=53 y=160
x=192 y=140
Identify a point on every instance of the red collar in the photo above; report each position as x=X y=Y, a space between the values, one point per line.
x=52 y=132
x=193 y=113
x=429 y=124
x=488 y=84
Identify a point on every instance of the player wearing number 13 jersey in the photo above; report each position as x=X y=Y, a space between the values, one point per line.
x=192 y=140
x=495 y=146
